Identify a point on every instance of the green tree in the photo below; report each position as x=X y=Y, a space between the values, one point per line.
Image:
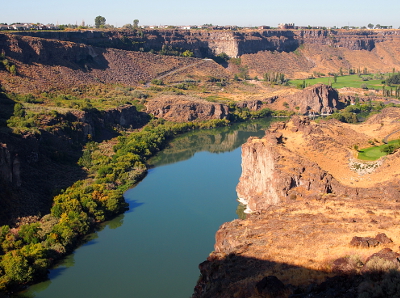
x=187 y=53
x=135 y=23
x=99 y=21
x=19 y=110
x=371 y=26
x=13 y=70
x=394 y=79
x=29 y=232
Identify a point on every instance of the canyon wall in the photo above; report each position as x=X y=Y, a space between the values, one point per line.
x=305 y=160
x=234 y=43
x=310 y=201
x=33 y=167
x=48 y=64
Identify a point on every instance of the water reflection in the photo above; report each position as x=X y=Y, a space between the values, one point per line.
x=240 y=211
x=217 y=140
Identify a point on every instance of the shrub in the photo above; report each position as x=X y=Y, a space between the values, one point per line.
x=157 y=82
x=394 y=79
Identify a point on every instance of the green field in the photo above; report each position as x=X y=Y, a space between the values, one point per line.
x=343 y=81
x=375 y=152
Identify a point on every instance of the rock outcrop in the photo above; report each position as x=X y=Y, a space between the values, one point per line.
x=315 y=100
x=181 y=108
x=311 y=216
x=256 y=105
x=297 y=160
x=95 y=123
x=305 y=245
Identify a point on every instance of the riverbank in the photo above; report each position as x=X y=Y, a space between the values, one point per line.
x=191 y=181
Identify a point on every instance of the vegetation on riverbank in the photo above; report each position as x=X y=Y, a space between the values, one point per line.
x=29 y=249
x=359 y=112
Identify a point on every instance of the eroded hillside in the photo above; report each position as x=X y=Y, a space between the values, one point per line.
x=45 y=65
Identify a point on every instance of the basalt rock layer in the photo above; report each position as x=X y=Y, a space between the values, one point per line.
x=182 y=109
x=233 y=43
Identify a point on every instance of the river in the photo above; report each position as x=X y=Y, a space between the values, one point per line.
x=153 y=250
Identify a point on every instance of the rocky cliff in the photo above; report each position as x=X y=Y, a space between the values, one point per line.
x=302 y=159
x=183 y=108
x=234 y=43
x=48 y=64
x=317 y=99
x=47 y=60
x=315 y=210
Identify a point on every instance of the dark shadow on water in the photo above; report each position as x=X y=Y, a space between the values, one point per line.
x=90 y=239
x=250 y=277
x=133 y=204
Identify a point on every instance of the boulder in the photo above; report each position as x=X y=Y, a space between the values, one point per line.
x=386 y=254
x=364 y=242
x=382 y=238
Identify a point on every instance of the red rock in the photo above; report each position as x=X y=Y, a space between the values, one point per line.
x=382 y=238
x=364 y=242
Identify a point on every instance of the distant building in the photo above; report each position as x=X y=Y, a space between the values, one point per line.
x=264 y=27
x=286 y=26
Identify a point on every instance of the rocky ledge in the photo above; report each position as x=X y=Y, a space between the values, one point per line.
x=318 y=226
x=185 y=108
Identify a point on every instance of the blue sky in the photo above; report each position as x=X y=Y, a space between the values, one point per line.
x=178 y=12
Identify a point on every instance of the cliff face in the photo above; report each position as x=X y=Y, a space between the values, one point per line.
x=233 y=43
x=9 y=166
x=317 y=99
x=47 y=64
x=272 y=174
x=301 y=159
x=47 y=60
x=315 y=208
x=180 y=108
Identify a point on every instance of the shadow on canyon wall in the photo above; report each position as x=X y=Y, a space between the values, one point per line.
x=53 y=53
x=251 y=277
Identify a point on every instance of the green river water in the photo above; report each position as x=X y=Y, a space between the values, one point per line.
x=153 y=250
